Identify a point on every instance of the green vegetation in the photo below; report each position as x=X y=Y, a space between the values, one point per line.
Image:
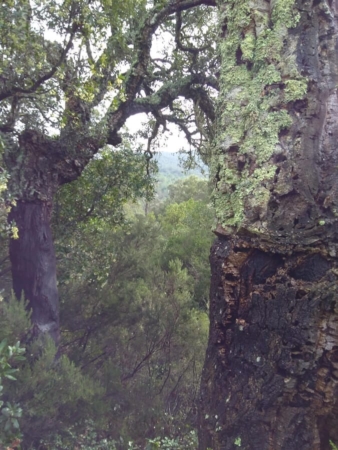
x=71 y=75
x=9 y=413
x=134 y=323
x=171 y=170
x=132 y=280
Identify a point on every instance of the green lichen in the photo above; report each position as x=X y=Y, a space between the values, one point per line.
x=284 y=13
x=248 y=46
x=295 y=89
x=258 y=79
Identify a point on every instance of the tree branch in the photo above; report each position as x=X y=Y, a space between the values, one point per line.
x=170 y=91
x=138 y=70
x=47 y=76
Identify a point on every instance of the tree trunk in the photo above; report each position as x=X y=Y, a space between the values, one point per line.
x=270 y=379
x=33 y=263
x=38 y=165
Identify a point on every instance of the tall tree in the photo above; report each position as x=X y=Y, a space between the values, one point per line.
x=270 y=376
x=65 y=98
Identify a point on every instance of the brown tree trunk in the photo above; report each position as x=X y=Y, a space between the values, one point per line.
x=33 y=263
x=38 y=165
x=270 y=379
x=271 y=374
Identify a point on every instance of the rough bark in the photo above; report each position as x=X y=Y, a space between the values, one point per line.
x=271 y=375
x=270 y=379
x=38 y=166
x=34 y=266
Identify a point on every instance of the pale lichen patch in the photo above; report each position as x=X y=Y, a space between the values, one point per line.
x=259 y=78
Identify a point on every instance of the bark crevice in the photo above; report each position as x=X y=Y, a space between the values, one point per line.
x=270 y=375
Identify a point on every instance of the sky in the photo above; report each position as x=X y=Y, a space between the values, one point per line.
x=173 y=140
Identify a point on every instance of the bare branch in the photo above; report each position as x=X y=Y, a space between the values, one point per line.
x=193 y=50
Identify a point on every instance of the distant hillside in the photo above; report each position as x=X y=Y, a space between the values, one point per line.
x=170 y=171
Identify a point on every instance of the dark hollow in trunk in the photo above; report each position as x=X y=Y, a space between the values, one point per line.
x=34 y=266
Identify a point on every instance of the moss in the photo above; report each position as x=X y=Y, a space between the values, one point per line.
x=257 y=82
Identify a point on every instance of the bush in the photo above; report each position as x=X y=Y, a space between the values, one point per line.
x=53 y=393
x=10 y=413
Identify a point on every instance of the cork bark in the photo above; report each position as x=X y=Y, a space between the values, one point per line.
x=270 y=380
x=38 y=166
x=34 y=265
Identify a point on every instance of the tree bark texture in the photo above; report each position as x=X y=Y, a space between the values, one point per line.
x=34 y=265
x=38 y=165
x=270 y=380
x=271 y=373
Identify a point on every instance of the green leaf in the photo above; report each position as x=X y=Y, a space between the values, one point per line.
x=10 y=377
x=15 y=423
x=3 y=345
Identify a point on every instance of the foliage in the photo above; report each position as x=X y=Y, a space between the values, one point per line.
x=88 y=440
x=110 y=180
x=187 y=228
x=134 y=326
x=14 y=319
x=81 y=72
x=133 y=330
x=10 y=413
x=170 y=171
x=131 y=313
x=238 y=442
x=191 y=188
x=91 y=441
x=6 y=202
x=188 y=442
x=50 y=389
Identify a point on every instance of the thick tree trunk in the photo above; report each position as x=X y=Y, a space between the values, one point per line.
x=34 y=266
x=38 y=165
x=271 y=375
x=270 y=379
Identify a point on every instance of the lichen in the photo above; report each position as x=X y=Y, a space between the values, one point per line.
x=259 y=77
x=295 y=89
